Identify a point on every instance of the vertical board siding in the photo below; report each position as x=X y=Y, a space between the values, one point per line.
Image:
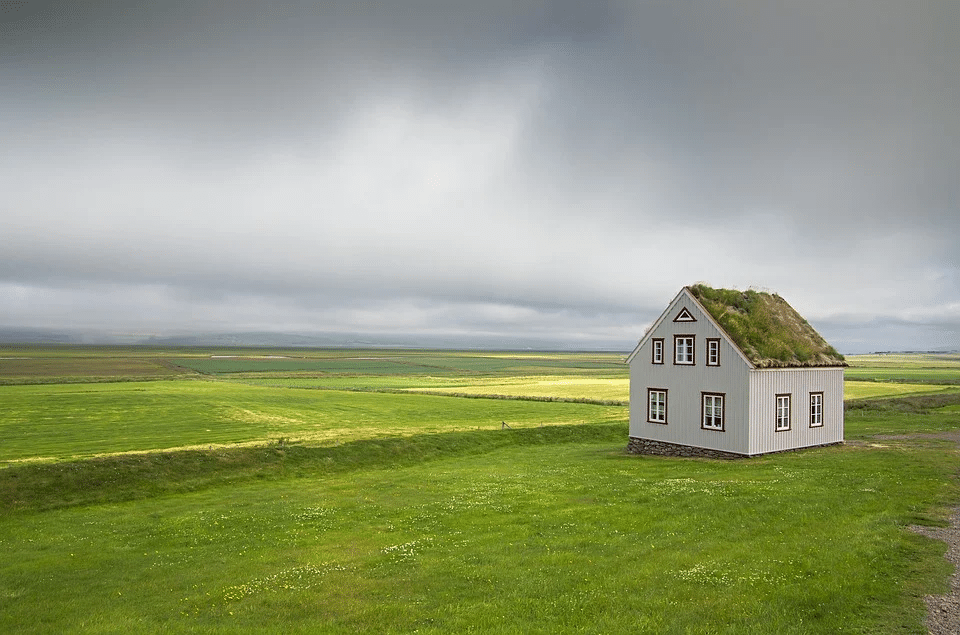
x=766 y=384
x=684 y=385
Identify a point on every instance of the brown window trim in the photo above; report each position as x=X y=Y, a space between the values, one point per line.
x=711 y=340
x=776 y=412
x=653 y=350
x=693 y=350
x=812 y=424
x=665 y=405
x=723 y=410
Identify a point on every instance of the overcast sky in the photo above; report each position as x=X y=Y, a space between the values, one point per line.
x=501 y=168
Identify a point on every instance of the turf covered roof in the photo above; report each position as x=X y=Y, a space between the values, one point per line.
x=769 y=332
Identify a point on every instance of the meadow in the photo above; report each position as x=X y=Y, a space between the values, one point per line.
x=323 y=491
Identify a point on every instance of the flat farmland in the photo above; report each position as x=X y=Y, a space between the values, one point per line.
x=402 y=363
x=67 y=420
x=924 y=368
x=320 y=491
x=594 y=388
x=53 y=369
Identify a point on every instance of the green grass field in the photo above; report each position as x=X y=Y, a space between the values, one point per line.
x=248 y=500
x=67 y=420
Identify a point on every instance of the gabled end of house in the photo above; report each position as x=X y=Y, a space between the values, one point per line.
x=769 y=332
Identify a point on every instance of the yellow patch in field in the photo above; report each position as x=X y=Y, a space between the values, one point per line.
x=584 y=381
x=256 y=416
x=870 y=389
x=561 y=387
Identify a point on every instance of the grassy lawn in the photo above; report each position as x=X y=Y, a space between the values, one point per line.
x=339 y=511
x=558 y=536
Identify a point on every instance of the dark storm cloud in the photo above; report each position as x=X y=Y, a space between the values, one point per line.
x=494 y=167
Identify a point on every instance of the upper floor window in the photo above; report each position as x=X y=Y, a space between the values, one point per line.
x=712 y=411
x=783 y=412
x=683 y=349
x=658 y=351
x=816 y=409
x=713 y=352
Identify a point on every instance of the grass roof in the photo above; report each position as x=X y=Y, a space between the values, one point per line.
x=768 y=330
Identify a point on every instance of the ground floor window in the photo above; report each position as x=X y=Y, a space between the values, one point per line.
x=816 y=409
x=783 y=412
x=657 y=405
x=712 y=411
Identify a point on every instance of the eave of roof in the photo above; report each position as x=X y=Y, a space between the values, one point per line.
x=769 y=332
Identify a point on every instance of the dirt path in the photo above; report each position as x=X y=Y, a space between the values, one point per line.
x=943 y=611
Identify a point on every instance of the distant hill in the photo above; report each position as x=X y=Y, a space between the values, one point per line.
x=15 y=335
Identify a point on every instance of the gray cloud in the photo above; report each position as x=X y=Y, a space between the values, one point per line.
x=542 y=168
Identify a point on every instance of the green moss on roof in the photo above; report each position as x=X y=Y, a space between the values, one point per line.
x=768 y=330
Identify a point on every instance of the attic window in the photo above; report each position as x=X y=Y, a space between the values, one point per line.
x=713 y=352
x=657 y=350
x=684 y=316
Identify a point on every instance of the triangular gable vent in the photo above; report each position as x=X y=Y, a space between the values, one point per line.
x=684 y=316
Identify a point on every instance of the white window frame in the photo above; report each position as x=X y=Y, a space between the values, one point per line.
x=783 y=413
x=657 y=405
x=712 y=411
x=816 y=409
x=657 y=357
x=713 y=351
x=688 y=347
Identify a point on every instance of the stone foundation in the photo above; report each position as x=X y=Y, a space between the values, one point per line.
x=664 y=448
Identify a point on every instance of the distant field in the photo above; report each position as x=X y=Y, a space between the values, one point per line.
x=906 y=360
x=870 y=389
x=596 y=388
x=407 y=363
x=943 y=368
x=938 y=375
x=14 y=368
x=592 y=387
x=64 y=420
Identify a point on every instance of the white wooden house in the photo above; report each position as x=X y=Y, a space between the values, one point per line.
x=725 y=373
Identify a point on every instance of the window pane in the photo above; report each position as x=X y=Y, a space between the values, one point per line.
x=713 y=411
x=783 y=412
